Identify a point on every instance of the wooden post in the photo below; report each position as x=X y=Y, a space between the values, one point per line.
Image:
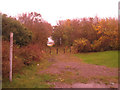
x=11 y=55
x=70 y=49
x=64 y=50
x=57 y=50
x=50 y=50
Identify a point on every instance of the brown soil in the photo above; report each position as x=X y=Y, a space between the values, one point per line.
x=64 y=63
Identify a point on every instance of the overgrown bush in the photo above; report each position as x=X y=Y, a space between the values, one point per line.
x=82 y=45
x=31 y=53
x=22 y=56
x=104 y=43
x=17 y=61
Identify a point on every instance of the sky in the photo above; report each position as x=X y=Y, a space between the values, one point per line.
x=54 y=10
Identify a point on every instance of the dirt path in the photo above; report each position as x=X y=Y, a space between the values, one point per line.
x=73 y=73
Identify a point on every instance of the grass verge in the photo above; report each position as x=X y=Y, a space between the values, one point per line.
x=29 y=77
x=106 y=58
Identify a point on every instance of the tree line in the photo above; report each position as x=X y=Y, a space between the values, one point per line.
x=87 y=34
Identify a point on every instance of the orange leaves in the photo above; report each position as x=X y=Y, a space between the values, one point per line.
x=98 y=29
x=99 y=32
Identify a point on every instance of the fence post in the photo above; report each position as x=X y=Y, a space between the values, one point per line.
x=50 y=50
x=57 y=50
x=64 y=50
x=70 y=49
x=11 y=55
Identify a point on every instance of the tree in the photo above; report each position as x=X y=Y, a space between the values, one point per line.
x=87 y=31
x=70 y=30
x=22 y=36
x=101 y=33
x=40 y=28
x=107 y=30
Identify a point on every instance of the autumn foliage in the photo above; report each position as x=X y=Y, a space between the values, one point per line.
x=40 y=28
x=24 y=56
x=87 y=34
x=82 y=45
x=30 y=37
x=31 y=33
x=17 y=61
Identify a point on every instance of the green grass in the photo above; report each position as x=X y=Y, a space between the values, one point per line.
x=29 y=77
x=106 y=58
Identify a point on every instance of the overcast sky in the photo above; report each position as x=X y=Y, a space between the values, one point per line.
x=54 y=10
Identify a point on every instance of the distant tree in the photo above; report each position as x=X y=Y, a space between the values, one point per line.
x=70 y=30
x=102 y=34
x=107 y=30
x=63 y=32
x=40 y=28
x=87 y=31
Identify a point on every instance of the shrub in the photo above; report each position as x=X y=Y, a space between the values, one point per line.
x=82 y=45
x=104 y=43
x=31 y=53
x=22 y=56
x=17 y=61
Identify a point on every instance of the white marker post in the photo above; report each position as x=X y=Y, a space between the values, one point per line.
x=11 y=55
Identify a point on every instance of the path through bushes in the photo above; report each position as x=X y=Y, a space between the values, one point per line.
x=64 y=71
x=73 y=72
